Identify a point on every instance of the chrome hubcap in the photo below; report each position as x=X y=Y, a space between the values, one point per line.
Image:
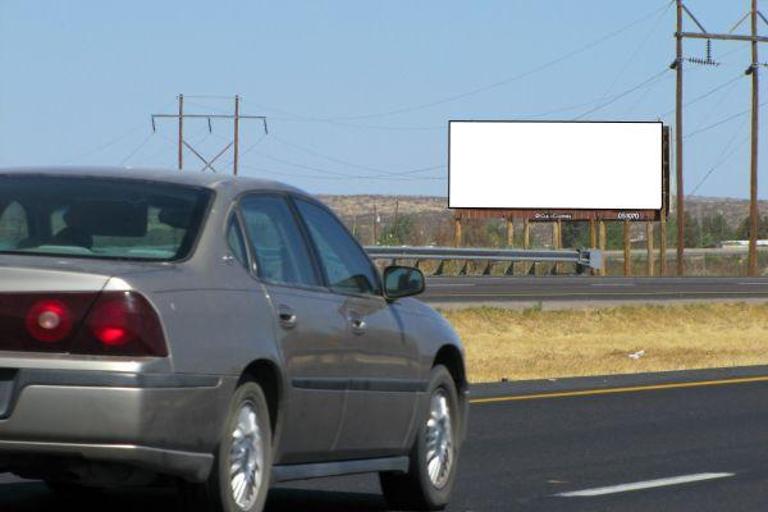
x=439 y=439
x=246 y=458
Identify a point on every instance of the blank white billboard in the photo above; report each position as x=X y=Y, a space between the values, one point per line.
x=555 y=165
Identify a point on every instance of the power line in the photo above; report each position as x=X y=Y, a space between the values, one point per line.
x=355 y=165
x=721 y=160
x=136 y=149
x=271 y=171
x=401 y=175
x=616 y=98
x=705 y=95
x=640 y=46
x=500 y=83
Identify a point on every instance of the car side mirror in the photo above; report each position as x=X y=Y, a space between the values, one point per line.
x=402 y=282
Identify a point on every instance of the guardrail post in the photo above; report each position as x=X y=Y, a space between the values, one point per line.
x=464 y=269
x=488 y=268
x=510 y=269
x=440 y=269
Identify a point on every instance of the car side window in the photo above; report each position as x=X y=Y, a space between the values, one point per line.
x=346 y=265
x=281 y=254
x=236 y=242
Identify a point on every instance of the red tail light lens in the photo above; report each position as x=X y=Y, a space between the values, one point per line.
x=106 y=323
x=110 y=323
x=49 y=321
x=122 y=323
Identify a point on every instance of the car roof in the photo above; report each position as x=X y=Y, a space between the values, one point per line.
x=210 y=180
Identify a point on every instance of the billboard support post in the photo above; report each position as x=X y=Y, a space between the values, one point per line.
x=526 y=234
x=663 y=244
x=603 y=238
x=592 y=238
x=627 y=250
x=457 y=235
x=510 y=231
x=649 y=247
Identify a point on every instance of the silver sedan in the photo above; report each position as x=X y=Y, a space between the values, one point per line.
x=220 y=333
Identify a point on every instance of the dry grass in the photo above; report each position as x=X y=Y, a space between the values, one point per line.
x=534 y=344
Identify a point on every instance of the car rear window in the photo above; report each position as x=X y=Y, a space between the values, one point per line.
x=99 y=217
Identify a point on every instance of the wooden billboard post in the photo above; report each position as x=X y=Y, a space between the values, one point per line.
x=627 y=250
x=649 y=248
x=603 y=238
x=510 y=231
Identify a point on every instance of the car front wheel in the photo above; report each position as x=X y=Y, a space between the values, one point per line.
x=434 y=456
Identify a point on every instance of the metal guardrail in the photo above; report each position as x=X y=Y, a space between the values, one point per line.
x=582 y=258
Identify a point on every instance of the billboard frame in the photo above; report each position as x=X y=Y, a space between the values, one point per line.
x=569 y=214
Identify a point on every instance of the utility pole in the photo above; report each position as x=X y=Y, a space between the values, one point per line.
x=754 y=39
x=753 y=213
x=234 y=144
x=679 y=142
x=181 y=131
x=236 y=123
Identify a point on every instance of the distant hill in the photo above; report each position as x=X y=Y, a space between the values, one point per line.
x=349 y=206
x=429 y=219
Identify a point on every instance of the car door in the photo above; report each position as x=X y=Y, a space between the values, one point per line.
x=380 y=363
x=310 y=328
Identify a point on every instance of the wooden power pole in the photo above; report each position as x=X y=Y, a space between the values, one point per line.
x=679 y=142
x=236 y=140
x=236 y=117
x=181 y=131
x=753 y=38
x=754 y=218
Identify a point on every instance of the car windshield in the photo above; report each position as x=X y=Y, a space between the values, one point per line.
x=99 y=217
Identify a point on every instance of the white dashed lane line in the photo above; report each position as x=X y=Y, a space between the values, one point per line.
x=647 y=484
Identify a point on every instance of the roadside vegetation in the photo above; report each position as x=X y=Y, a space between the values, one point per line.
x=539 y=344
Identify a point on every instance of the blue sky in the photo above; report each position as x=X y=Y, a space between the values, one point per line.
x=358 y=93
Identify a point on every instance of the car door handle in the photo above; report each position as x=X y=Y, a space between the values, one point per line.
x=287 y=317
x=358 y=325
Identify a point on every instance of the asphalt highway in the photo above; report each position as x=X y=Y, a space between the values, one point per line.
x=657 y=443
x=497 y=289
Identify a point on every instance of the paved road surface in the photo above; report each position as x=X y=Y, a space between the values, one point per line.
x=685 y=448
x=489 y=289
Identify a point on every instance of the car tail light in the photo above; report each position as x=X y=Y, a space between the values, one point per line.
x=106 y=323
x=122 y=323
x=49 y=320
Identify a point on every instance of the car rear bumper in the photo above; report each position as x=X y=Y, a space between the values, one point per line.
x=165 y=423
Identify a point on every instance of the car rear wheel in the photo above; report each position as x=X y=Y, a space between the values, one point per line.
x=433 y=459
x=239 y=479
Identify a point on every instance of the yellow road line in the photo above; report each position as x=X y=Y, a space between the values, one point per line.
x=627 y=389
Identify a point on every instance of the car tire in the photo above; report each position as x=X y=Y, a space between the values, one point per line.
x=428 y=483
x=246 y=441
